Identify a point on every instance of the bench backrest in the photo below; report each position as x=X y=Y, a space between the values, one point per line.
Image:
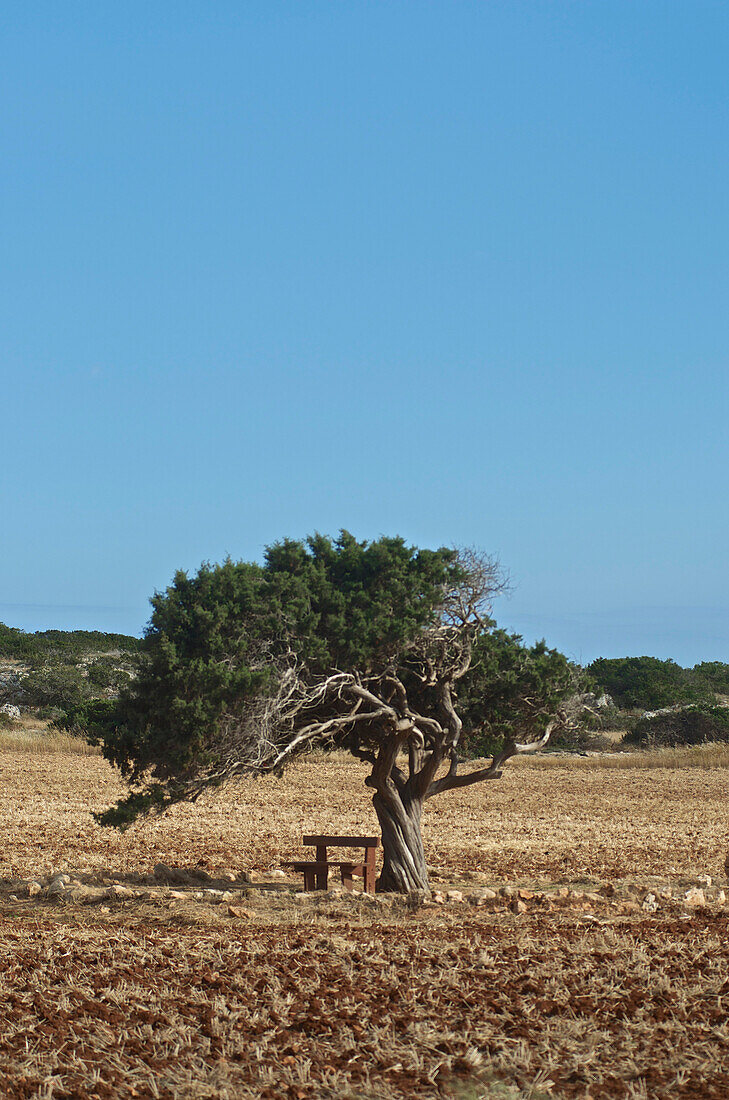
x=343 y=841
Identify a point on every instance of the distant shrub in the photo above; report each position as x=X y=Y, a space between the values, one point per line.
x=60 y=686
x=59 y=645
x=104 y=674
x=647 y=683
x=579 y=739
x=694 y=725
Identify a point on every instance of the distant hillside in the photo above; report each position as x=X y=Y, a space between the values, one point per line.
x=52 y=646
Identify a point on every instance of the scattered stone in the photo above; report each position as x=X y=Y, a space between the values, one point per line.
x=438 y=898
x=694 y=897
x=57 y=888
x=119 y=892
x=239 y=911
x=507 y=891
x=178 y=895
x=454 y=895
x=214 y=895
x=721 y=897
x=518 y=906
x=13 y=897
x=705 y=880
x=277 y=873
x=650 y=904
x=607 y=891
x=483 y=898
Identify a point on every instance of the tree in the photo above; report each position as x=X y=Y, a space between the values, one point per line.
x=336 y=642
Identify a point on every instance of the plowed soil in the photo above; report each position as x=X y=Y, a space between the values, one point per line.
x=598 y=979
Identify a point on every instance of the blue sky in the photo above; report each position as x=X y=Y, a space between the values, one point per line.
x=455 y=271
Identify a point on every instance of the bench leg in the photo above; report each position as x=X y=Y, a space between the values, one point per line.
x=309 y=880
x=347 y=881
x=369 y=879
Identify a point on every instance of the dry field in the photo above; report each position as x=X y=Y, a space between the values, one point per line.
x=598 y=980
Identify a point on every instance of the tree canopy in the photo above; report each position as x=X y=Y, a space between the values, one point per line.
x=363 y=645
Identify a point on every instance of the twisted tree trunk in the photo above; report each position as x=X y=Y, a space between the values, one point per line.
x=403 y=868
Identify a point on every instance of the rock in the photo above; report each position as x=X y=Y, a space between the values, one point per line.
x=694 y=897
x=178 y=895
x=484 y=897
x=507 y=891
x=518 y=906
x=118 y=892
x=454 y=895
x=238 y=911
x=438 y=898
x=12 y=711
x=213 y=895
x=13 y=897
x=705 y=880
x=56 y=888
x=721 y=898
x=277 y=873
x=31 y=889
x=650 y=904
x=60 y=877
x=525 y=895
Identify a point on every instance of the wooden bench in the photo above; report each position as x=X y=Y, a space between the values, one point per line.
x=316 y=871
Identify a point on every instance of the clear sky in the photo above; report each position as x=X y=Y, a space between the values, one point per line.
x=452 y=270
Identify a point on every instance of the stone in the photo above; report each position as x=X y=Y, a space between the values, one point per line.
x=705 y=880
x=485 y=897
x=650 y=904
x=238 y=911
x=454 y=895
x=438 y=898
x=56 y=888
x=118 y=892
x=507 y=891
x=721 y=897
x=694 y=897
x=518 y=906
x=32 y=889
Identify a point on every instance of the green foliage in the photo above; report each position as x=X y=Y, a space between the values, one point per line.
x=647 y=683
x=214 y=640
x=105 y=675
x=511 y=690
x=59 y=686
x=694 y=725
x=715 y=674
x=56 y=646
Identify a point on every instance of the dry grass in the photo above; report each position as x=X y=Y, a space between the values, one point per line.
x=279 y=994
x=29 y=734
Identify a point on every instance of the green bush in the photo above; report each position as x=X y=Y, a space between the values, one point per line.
x=695 y=725
x=103 y=674
x=646 y=683
x=61 y=686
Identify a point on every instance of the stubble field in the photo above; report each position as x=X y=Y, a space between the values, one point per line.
x=588 y=974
